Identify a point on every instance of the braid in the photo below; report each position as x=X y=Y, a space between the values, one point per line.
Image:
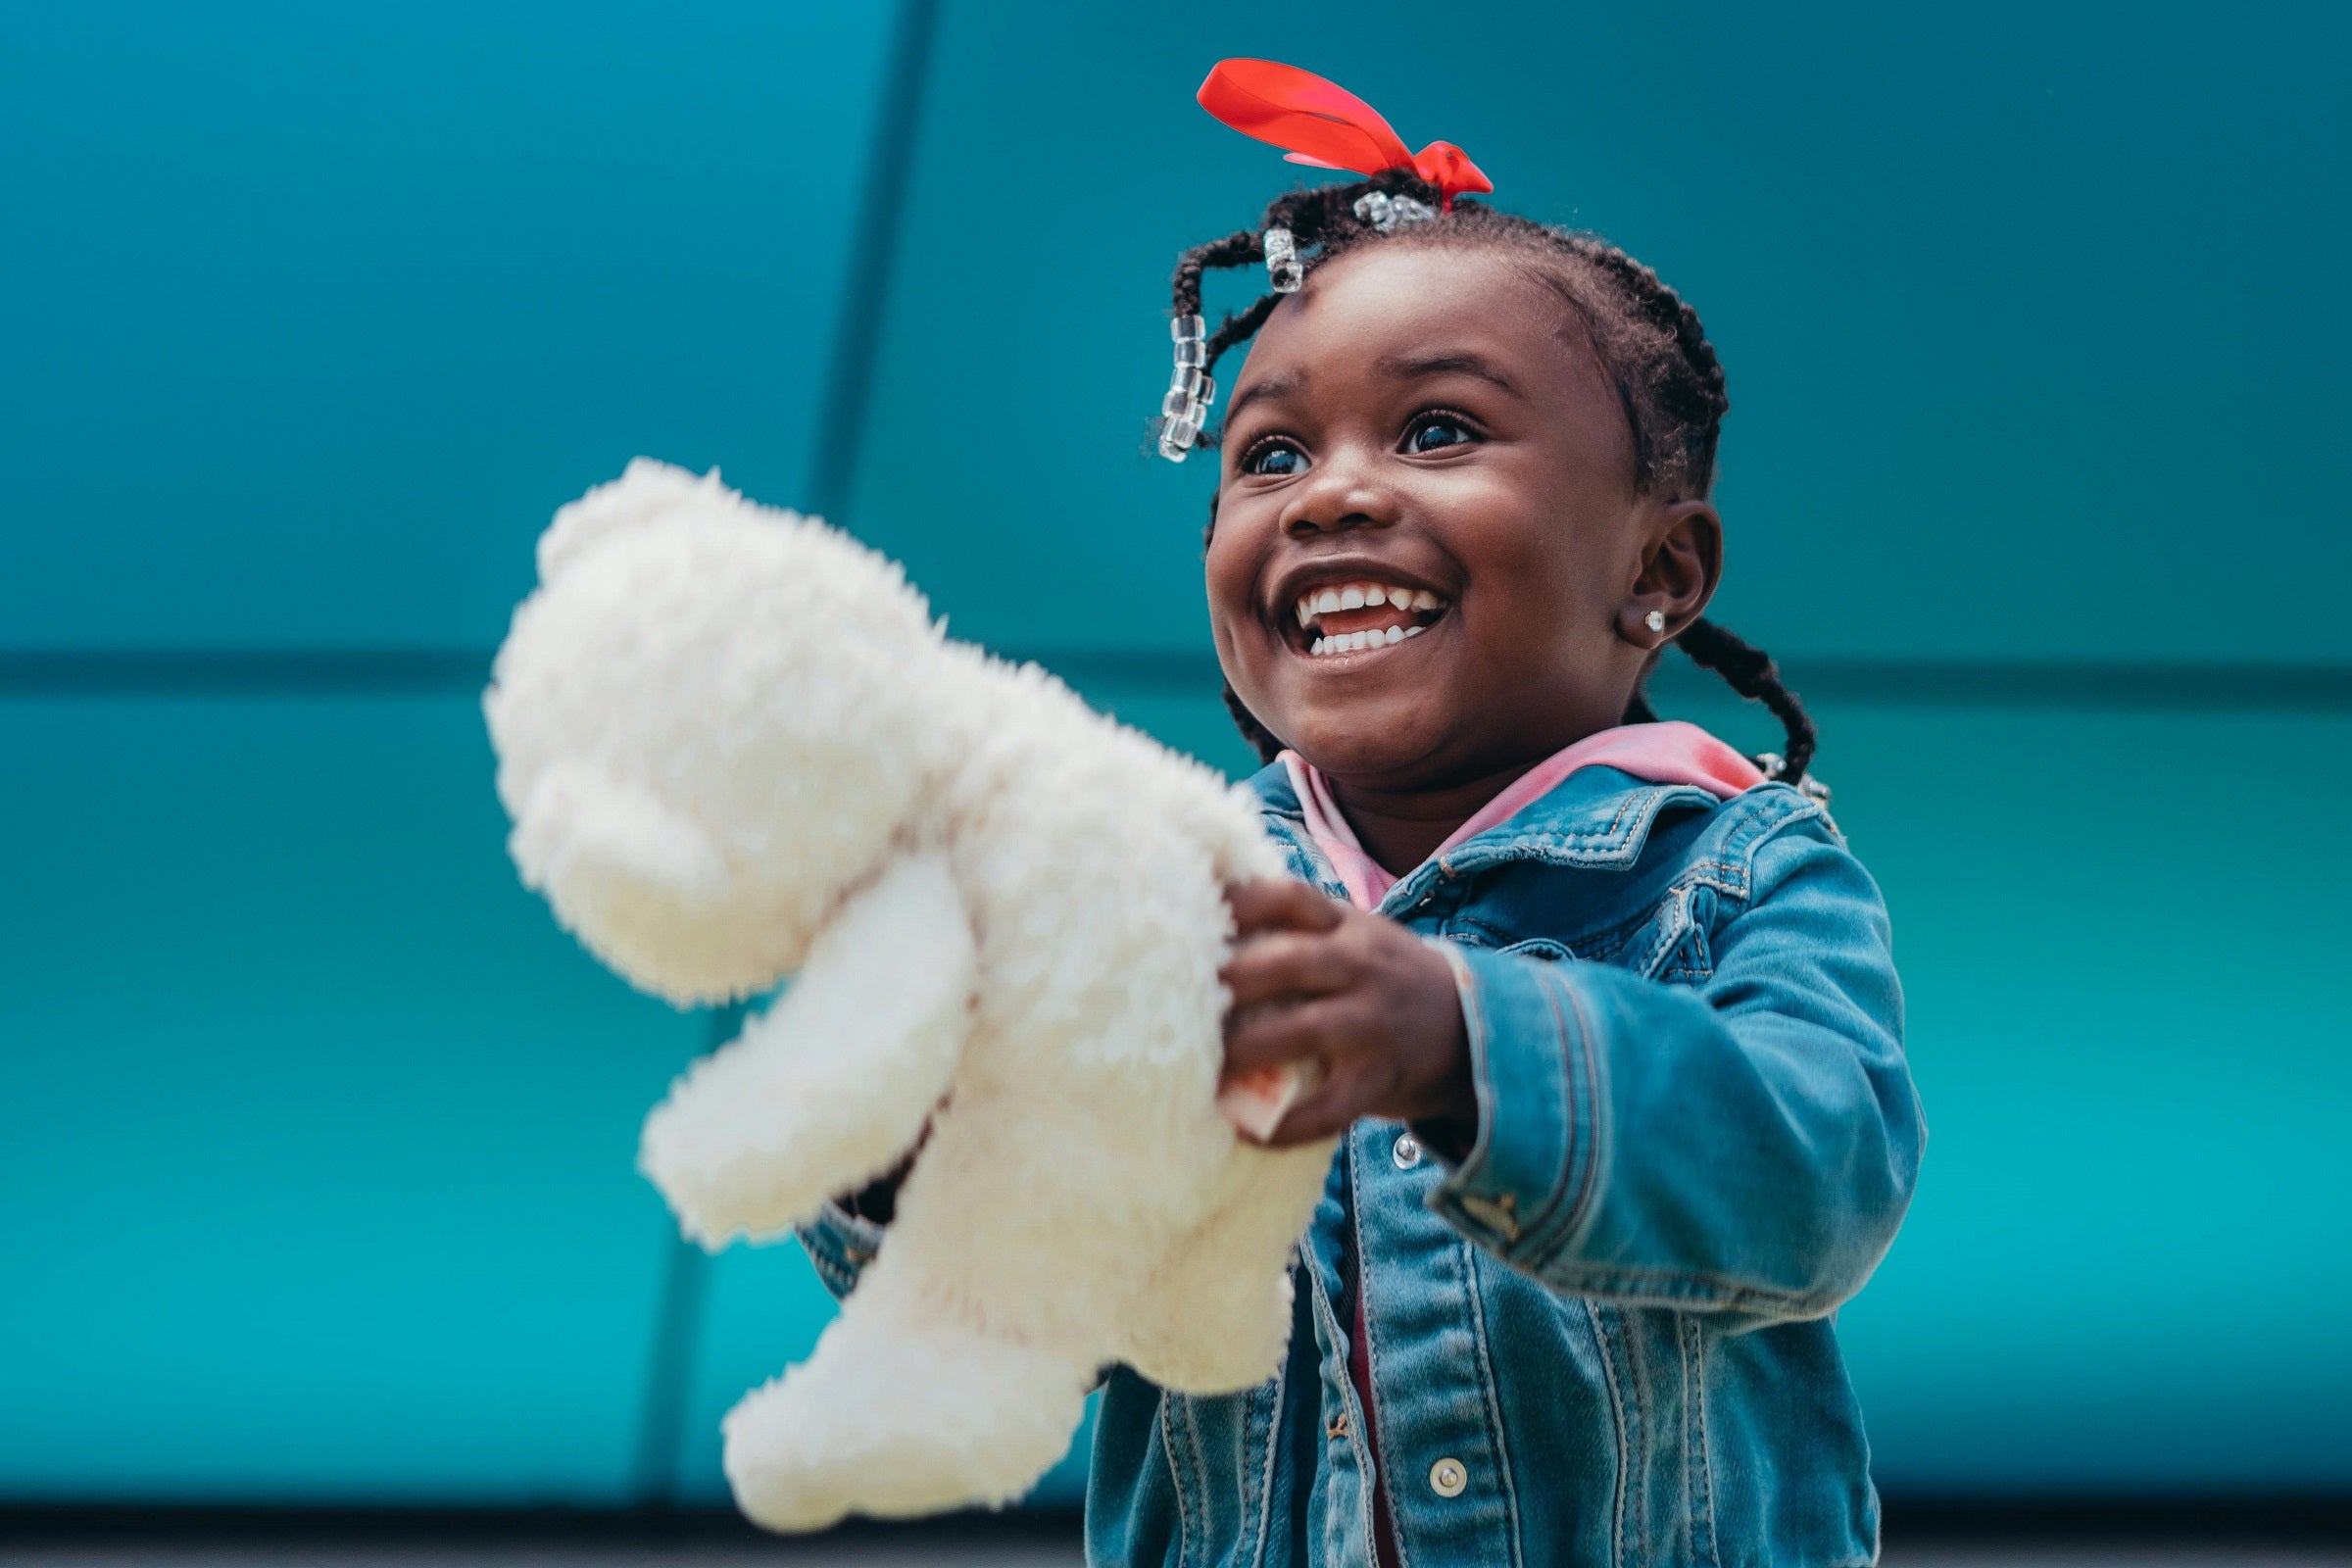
x=1750 y=671
x=1652 y=345
x=1242 y=245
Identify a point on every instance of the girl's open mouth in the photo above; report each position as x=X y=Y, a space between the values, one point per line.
x=1333 y=619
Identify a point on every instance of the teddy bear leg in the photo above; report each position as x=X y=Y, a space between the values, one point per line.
x=899 y=1413
x=1216 y=1314
x=831 y=1086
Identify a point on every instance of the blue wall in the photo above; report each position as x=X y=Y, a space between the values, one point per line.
x=317 y=1134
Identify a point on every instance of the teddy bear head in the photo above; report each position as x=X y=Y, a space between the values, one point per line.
x=711 y=719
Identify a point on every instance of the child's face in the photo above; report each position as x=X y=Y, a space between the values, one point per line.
x=1435 y=423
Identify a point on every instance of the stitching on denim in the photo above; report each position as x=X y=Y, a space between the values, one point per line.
x=1466 y=1259
x=1167 y=1445
x=1454 y=1188
x=1593 y=1124
x=1670 y=935
x=1625 y=1455
x=1328 y=1316
x=1730 y=882
x=1532 y=1227
x=1636 y=1376
x=1247 y=1404
x=1265 y=1500
x=1574 y=1186
x=1600 y=944
x=1695 y=1394
x=1635 y=1285
x=1688 y=1512
x=1200 y=1456
x=1763 y=815
x=1382 y=1472
x=1623 y=839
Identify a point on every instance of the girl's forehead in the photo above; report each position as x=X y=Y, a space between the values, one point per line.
x=1425 y=303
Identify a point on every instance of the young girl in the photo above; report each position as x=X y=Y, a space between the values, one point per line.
x=1603 y=1011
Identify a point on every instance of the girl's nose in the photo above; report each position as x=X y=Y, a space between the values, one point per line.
x=1337 y=496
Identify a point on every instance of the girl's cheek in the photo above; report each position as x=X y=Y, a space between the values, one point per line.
x=1229 y=569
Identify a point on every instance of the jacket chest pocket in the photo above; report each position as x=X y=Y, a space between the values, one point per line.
x=1673 y=946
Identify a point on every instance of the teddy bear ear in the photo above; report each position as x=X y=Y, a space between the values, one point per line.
x=647 y=492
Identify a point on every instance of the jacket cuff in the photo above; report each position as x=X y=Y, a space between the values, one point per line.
x=840 y=1244
x=1525 y=1186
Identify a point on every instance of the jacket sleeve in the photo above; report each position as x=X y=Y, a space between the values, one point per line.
x=840 y=1244
x=1747 y=1145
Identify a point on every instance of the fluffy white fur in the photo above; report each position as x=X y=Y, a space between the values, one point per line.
x=736 y=748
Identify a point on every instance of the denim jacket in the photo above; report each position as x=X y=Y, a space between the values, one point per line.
x=1604 y=1337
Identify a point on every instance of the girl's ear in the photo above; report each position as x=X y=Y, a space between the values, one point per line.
x=1682 y=562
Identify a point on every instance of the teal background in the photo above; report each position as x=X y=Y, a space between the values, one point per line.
x=316 y=1134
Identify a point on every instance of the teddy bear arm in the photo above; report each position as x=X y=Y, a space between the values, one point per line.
x=831 y=1087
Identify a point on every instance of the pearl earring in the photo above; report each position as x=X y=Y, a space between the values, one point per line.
x=1655 y=621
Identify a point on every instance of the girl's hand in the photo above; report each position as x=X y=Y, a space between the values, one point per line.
x=1374 y=1006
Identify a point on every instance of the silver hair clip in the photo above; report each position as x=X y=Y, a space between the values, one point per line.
x=1282 y=262
x=1184 y=409
x=1385 y=212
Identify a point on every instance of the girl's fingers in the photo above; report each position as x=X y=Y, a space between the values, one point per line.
x=1275 y=1035
x=1284 y=963
x=1324 y=1112
x=1280 y=904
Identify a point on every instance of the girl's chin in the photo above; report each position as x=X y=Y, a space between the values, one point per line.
x=1370 y=739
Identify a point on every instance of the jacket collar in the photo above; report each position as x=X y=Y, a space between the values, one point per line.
x=1596 y=818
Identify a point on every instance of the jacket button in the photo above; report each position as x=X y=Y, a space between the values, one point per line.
x=1448 y=1478
x=1406 y=1151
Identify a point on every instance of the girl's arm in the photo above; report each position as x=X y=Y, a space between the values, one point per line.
x=847 y=1232
x=1746 y=1144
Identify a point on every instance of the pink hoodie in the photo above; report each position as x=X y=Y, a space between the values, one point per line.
x=1668 y=753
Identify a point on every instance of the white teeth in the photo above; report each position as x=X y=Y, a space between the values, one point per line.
x=1358 y=641
x=1319 y=602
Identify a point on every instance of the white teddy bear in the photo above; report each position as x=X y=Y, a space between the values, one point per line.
x=736 y=748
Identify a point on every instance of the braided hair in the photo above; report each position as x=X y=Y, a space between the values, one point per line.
x=1650 y=344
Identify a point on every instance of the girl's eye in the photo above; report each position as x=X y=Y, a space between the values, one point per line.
x=1274 y=460
x=1436 y=432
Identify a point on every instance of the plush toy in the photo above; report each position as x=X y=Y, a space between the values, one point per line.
x=736 y=748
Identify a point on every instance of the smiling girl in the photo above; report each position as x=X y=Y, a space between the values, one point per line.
x=1603 y=1011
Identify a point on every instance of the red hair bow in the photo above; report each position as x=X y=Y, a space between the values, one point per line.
x=1322 y=124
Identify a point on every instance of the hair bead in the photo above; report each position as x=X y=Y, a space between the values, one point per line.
x=1283 y=272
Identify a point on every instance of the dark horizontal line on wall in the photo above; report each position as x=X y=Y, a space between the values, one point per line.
x=2228 y=688
x=241 y=671
x=1924 y=682
x=278 y=1532
x=2030 y=1526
